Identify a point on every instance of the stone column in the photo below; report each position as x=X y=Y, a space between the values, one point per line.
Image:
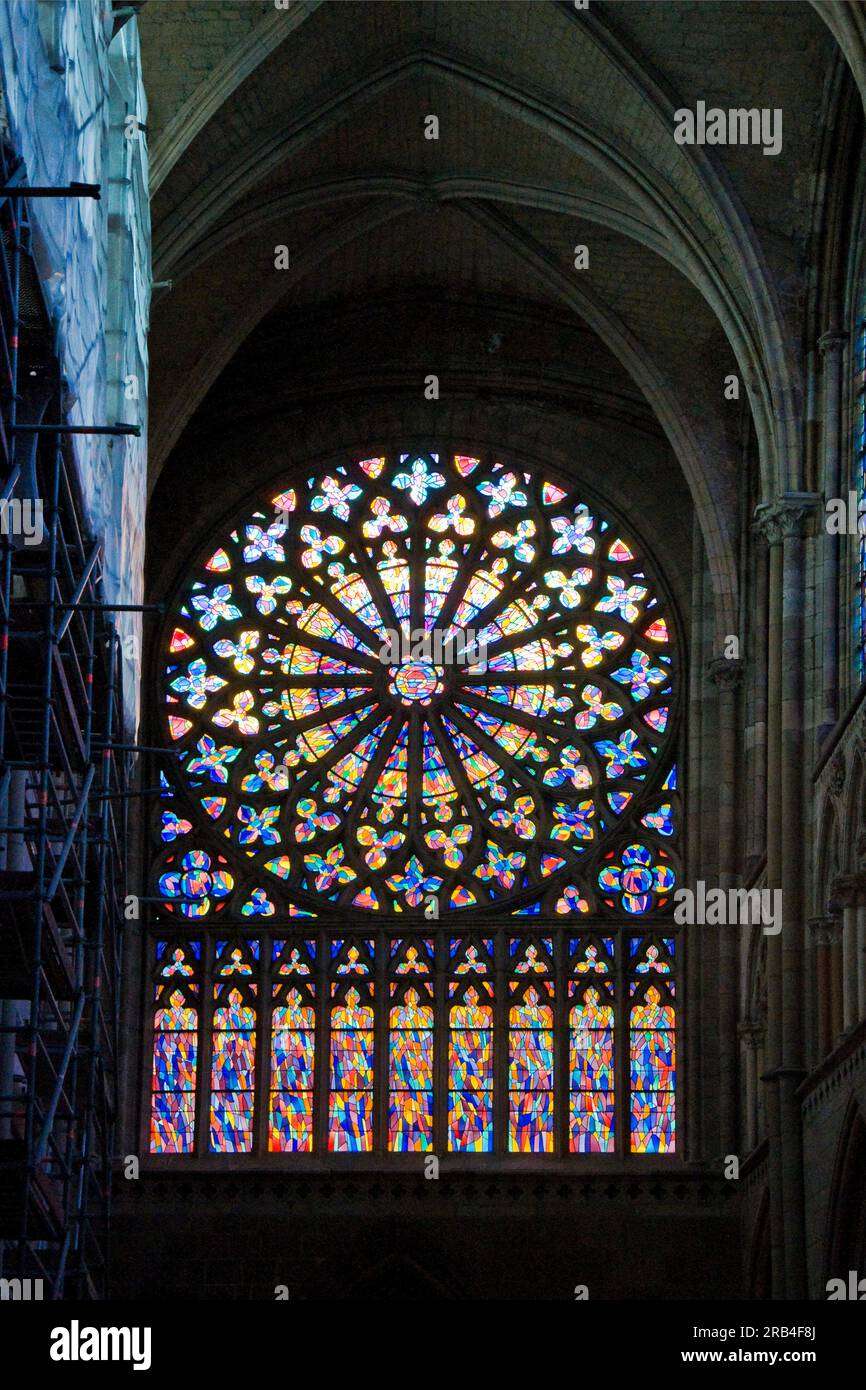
x=767 y=525
x=727 y=675
x=822 y=931
x=762 y=1090
x=834 y=967
x=784 y=522
x=849 y=963
x=755 y=740
x=796 y=509
x=849 y=893
x=860 y=848
x=750 y=1035
x=861 y=958
x=692 y=1038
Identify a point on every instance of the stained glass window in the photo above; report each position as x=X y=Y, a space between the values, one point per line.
x=233 y=1059
x=592 y=1086
x=411 y=1070
x=410 y=1057
x=350 y=1117
x=620 y=994
x=293 y=1047
x=175 y=1046
x=530 y=1046
x=470 y=1068
x=411 y=700
x=652 y=1046
x=470 y=1044
x=413 y=679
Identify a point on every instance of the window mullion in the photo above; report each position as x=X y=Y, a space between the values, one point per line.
x=262 y=1087
x=500 y=1043
x=205 y=1048
x=381 y=1044
x=322 y=1054
x=440 y=1047
x=561 y=1076
x=622 y=1107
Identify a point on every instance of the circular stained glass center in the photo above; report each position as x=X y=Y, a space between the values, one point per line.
x=417 y=680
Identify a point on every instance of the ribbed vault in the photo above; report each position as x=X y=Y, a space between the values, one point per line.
x=304 y=127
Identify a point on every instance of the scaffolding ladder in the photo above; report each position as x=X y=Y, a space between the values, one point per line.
x=63 y=799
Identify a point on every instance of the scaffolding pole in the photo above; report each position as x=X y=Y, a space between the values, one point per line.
x=63 y=799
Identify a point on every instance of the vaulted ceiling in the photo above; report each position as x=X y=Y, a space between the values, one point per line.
x=305 y=127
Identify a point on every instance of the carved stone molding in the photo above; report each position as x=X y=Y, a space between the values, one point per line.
x=786 y=516
x=726 y=672
x=835 y=1073
x=182 y=1193
x=836 y=777
x=751 y=1033
x=831 y=342
x=824 y=931
x=848 y=890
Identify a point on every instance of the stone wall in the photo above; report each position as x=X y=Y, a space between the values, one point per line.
x=360 y=1237
x=834 y=1097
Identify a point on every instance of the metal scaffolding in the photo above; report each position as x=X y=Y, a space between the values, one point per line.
x=63 y=800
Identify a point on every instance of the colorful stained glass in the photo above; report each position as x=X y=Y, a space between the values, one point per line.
x=591 y=1067
x=470 y=1121
x=293 y=1043
x=233 y=1049
x=179 y=641
x=658 y=631
x=465 y=465
x=415 y=685
x=175 y=1049
x=550 y=494
x=294 y=680
x=412 y=957
x=172 y=1122
x=639 y=882
x=652 y=1051
x=417 y=682
x=531 y=957
x=470 y=1069
x=661 y=819
x=530 y=1069
x=173 y=826
x=350 y=1115
x=195 y=884
x=620 y=552
x=410 y=1069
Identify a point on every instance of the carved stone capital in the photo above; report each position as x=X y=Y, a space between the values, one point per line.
x=751 y=1032
x=726 y=672
x=786 y=516
x=824 y=931
x=831 y=342
x=836 y=777
x=848 y=890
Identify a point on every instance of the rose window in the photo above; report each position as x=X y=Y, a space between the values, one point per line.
x=428 y=684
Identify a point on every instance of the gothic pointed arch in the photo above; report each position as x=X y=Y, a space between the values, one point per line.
x=419 y=822
x=845 y=1239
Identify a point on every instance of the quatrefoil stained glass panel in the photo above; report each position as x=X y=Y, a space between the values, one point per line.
x=427 y=676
